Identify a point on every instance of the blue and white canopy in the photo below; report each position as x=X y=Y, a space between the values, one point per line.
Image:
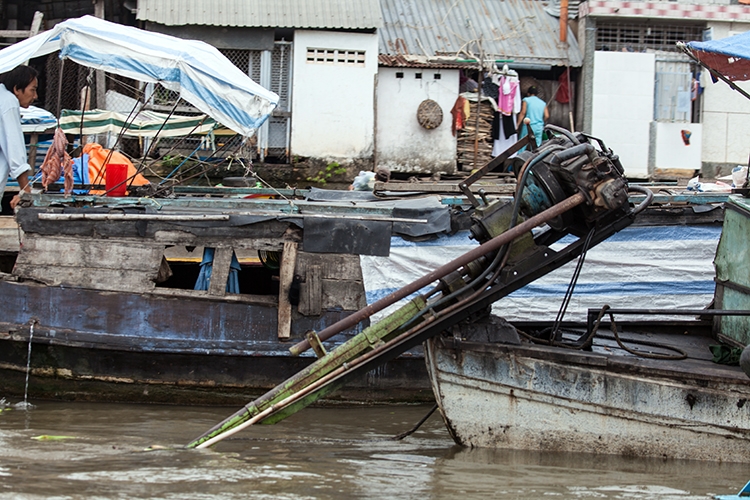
x=196 y=70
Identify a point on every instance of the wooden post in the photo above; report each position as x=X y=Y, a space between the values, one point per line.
x=33 y=145
x=220 y=271
x=101 y=85
x=286 y=275
x=563 y=21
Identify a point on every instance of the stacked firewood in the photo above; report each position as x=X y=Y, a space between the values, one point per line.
x=482 y=134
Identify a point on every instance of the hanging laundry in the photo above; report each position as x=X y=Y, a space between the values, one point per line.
x=460 y=114
x=563 y=91
x=508 y=94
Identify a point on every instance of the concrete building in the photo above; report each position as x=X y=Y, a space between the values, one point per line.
x=655 y=108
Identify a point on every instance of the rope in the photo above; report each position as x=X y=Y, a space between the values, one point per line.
x=411 y=431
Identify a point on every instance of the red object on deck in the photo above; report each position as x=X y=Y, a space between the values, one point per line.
x=116 y=175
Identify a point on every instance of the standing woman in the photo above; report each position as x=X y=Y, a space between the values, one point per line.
x=17 y=90
x=536 y=110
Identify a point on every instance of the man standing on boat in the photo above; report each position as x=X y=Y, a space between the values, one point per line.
x=17 y=89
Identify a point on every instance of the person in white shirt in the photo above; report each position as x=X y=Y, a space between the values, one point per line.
x=17 y=90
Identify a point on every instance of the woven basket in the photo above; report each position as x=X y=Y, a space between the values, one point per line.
x=429 y=114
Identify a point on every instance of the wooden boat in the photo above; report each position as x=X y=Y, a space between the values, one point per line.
x=112 y=315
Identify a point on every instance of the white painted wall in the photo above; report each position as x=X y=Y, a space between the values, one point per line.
x=671 y=151
x=332 y=104
x=726 y=113
x=403 y=144
x=623 y=106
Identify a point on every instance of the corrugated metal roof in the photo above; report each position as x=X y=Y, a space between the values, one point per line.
x=315 y=14
x=554 y=8
x=517 y=30
x=412 y=61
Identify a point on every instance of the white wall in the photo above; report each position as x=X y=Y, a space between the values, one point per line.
x=726 y=114
x=671 y=150
x=332 y=104
x=623 y=106
x=403 y=144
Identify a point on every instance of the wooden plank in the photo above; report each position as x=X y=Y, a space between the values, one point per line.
x=311 y=292
x=185 y=238
x=130 y=255
x=10 y=235
x=95 y=278
x=15 y=33
x=286 y=275
x=332 y=266
x=36 y=23
x=220 y=271
x=347 y=295
x=8 y=222
x=265 y=300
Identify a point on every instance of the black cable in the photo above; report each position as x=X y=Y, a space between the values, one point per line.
x=411 y=431
x=572 y=284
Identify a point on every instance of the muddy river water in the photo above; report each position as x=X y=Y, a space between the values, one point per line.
x=84 y=450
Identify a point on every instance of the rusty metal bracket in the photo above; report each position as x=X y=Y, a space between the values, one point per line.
x=317 y=345
x=488 y=167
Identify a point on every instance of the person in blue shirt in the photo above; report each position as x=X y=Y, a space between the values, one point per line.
x=536 y=110
x=17 y=90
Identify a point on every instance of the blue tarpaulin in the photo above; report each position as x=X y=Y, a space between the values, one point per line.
x=729 y=56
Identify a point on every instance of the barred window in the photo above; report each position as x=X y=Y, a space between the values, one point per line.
x=647 y=36
x=335 y=56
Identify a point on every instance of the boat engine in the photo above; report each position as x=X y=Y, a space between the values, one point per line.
x=562 y=167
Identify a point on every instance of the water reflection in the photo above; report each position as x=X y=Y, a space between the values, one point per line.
x=319 y=453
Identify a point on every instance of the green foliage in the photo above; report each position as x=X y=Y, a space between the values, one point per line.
x=324 y=175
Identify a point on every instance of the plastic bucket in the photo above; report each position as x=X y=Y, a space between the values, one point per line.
x=115 y=176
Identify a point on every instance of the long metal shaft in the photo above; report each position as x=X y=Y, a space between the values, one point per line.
x=494 y=244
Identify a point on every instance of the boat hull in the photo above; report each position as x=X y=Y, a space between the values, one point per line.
x=144 y=347
x=537 y=398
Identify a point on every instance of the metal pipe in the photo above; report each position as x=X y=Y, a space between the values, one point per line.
x=646 y=202
x=676 y=312
x=564 y=132
x=572 y=152
x=490 y=246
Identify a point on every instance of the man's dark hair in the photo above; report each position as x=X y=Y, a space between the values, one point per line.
x=18 y=78
x=532 y=90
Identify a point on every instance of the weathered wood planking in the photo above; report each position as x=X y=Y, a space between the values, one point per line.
x=184 y=238
x=95 y=278
x=220 y=271
x=330 y=281
x=286 y=275
x=65 y=251
x=238 y=227
x=311 y=292
x=346 y=295
x=332 y=266
x=10 y=234
x=117 y=265
x=265 y=300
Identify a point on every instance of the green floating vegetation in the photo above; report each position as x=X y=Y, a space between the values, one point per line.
x=47 y=437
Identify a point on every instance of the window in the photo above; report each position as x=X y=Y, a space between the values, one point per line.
x=335 y=56
x=645 y=36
